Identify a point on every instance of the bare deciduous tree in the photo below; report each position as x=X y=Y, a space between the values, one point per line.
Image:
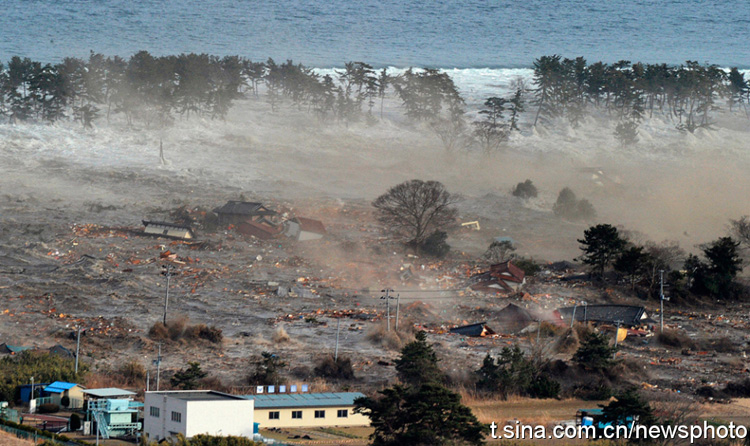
x=740 y=230
x=415 y=209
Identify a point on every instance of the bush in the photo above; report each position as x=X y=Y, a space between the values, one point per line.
x=595 y=352
x=133 y=371
x=48 y=408
x=738 y=389
x=435 y=245
x=676 y=339
x=65 y=401
x=178 y=329
x=332 y=369
x=529 y=266
x=568 y=206
x=75 y=422
x=593 y=392
x=525 y=190
x=544 y=387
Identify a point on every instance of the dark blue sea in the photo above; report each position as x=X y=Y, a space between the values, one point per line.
x=439 y=33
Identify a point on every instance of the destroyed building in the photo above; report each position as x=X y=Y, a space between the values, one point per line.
x=513 y=318
x=500 y=278
x=625 y=315
x=170 y=230
x=478 y=330
x=301 y=229
x=260 y=229
x=234 y=212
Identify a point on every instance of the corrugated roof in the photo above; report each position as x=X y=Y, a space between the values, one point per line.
x=13 y=348
x=59 y=387
x=281 y=400
x=310 y=225
x=108 y=392
x=198 y=395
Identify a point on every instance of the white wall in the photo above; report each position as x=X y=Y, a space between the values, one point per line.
x=222 y=417
x=214 y=417
x=163 y=426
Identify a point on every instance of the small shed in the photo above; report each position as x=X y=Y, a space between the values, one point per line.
x=478 y=330
x=59 y=389
x=24 y=391
x=170 y=230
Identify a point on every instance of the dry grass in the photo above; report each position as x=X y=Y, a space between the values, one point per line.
x=280 y=336
x=180 y=330
x=526 y=410
x=391 y=340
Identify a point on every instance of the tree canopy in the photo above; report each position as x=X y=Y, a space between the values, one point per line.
x=415 y=209
x=601 y=245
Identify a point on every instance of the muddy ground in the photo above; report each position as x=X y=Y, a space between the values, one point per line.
x=71 y=255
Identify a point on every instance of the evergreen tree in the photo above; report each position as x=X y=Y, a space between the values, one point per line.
x=188 y=378
x=595 y=353
x=267 y=370
x=418 y=363
x=601 y=244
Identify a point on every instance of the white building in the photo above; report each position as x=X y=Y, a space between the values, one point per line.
x=193 y=412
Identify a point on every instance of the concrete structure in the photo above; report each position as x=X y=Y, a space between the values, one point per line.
x=170 y=230
x=307 y=410
x=114 y=411
x=58 y=389
x=194 y=412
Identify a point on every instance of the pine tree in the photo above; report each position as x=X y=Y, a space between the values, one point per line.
x=418 y=363
x=188 y=378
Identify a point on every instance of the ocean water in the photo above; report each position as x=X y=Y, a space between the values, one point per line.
x=437 y=33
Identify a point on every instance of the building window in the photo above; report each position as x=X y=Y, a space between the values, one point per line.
x=177 y=417
x=154 y=411
x=342 y=413
x=273 y=415
x=320 y=414
x=296 y=414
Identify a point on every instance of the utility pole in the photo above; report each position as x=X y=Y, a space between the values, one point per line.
x=158 y=367
x=78 y=346
x=538 y=331
x=398 y=307
x=336 y=352
x=168 y=273
x=573 y=318
x=661 y=301
x=617 y=333
x=148 y=380
x=32 y=390
x=387 y=298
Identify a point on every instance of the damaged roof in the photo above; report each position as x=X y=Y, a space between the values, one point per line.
x=629 y=314
x=497 y=277
x=261 y=230
x=310 y=225
x=480 y=329
x=165 y=224
x=244 y=208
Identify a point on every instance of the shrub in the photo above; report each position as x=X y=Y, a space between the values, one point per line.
x=676 y=339
x=525 y=190
x=544 y=387
x=435 y=245
x=280 y=336
x=178 y=329
x=335 y=369
x=65 y=401
x=568 y=206
x=210 y=333
x=75 y=422
x=738 y=389
x=593 y=392
x=133 y=371
x=48 y=408
x=529 y=266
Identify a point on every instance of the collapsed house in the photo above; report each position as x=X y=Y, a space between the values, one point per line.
x=513 y=318
x=501 y=278
x=235 y=212
x=263 y=230
x=301 y=229
x=170 y=230
x=626 y=315
x=478 y=330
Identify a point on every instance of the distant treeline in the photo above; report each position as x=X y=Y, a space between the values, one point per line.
x=150 y=89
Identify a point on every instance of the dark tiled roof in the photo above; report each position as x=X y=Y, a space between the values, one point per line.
x=165 y=224
x=244 y=208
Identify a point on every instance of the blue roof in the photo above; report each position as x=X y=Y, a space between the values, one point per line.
x=279 y=400
x=59 y=387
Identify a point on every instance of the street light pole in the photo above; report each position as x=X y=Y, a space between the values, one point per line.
x=661 y=301
x=78 y=345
